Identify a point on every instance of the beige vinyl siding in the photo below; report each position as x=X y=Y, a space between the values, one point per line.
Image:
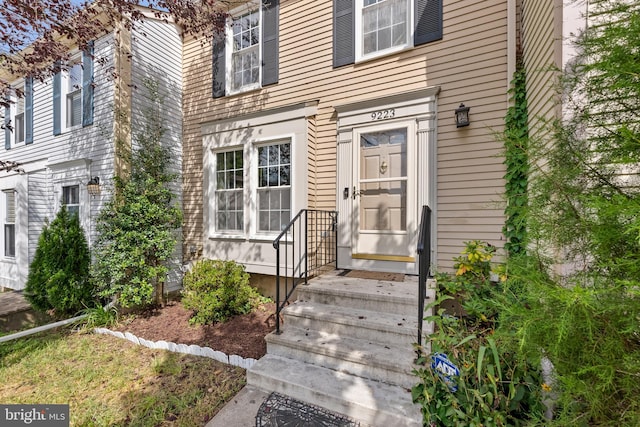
x=469 y=65
x=542 y=55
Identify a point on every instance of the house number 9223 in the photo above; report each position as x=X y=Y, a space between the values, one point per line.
x=383 y=114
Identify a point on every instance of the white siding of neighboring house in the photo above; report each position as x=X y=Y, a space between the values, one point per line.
x=38 y=212
x=51 y=161
x=77 y=155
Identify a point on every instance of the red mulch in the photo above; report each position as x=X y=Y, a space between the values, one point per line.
x=242 y=335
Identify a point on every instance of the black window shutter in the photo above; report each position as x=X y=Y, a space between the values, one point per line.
x=344 y=41
x=57 y=87
x=270 y=12
x=219 y=83
x=7 y=132
x=428 y=27
x=28 y=110
x=87 y=85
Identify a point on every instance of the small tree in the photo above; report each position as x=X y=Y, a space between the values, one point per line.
x=59 y=274
x=137 y=226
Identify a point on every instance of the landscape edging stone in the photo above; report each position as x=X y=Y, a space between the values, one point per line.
x=194 y=350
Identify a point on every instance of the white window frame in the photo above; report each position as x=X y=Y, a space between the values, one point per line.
x=66 y=90
x=255 y=189
x=13 y=110
x=215 y=190
x=359 y=40
x=251 y=214
x=229 y=72
x=71 y=206
x=67 y=174
x=6 y=221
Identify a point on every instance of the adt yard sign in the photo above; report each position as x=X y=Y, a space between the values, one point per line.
x=445 y=369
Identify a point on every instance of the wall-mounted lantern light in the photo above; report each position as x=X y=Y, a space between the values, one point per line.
x=93 y=186
x=462 y=116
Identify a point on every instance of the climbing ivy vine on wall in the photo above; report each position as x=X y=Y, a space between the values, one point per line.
x=515 y=137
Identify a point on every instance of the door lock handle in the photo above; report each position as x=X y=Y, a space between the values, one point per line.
x=356 y=193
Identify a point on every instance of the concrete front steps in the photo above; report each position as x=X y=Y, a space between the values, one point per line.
x=346 y=345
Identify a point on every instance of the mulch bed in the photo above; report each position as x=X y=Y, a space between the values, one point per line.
x=241 y=335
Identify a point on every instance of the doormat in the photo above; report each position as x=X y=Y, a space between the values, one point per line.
x=374 y=275
x=282 y=411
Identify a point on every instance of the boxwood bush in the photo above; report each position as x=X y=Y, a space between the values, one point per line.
x=216 y=290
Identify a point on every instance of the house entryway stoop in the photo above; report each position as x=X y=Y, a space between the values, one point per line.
x=347 y=345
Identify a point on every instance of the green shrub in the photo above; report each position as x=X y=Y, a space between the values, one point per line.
x=589 y=331
x=217 y=290
x=471 y=284
x=137 y=228
x=497 y=385
x=59 y=274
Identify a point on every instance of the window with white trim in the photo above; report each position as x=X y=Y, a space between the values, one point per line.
x=384 y=25
x=366 y=29
x=274 y=187
x=19 y=121
x=229 y=198
x=255 y=179
x=10 y=223
x=71 y=199
x=245 y=52
x=73 y=95
x=18 y=118
x=245 y=56
x=73 y=90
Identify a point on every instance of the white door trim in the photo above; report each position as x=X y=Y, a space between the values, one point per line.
x=418 y=108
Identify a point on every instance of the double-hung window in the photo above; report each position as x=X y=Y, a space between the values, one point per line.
x=384 y=25
x=245 y=55
x=18 y=117
x=229 y=196
x=10 y=223
x=365 y=29
x=73 y=93
x=19 y=121
x=274 y=187
x=271 y=197
x=71 y=199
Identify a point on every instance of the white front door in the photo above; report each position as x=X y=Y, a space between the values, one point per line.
x=384 y=192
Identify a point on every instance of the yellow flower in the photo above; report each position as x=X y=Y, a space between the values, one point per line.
x=461 y=270
x=546 y=387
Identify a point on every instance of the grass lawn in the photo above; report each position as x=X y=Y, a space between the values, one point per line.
x=109 y=381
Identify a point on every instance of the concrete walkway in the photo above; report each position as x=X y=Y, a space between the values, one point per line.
x=240 y=411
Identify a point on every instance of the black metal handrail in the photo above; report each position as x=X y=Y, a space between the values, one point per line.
x=309 y=243
x=424 y=264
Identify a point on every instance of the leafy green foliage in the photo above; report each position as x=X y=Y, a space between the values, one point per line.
x=471 y=284
x=515 y=138
x=589 y=333
x=98 y=317
x=137 y=227
x=59 y=274
x=217 y=290
x=578 y=301
x=497 y=386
